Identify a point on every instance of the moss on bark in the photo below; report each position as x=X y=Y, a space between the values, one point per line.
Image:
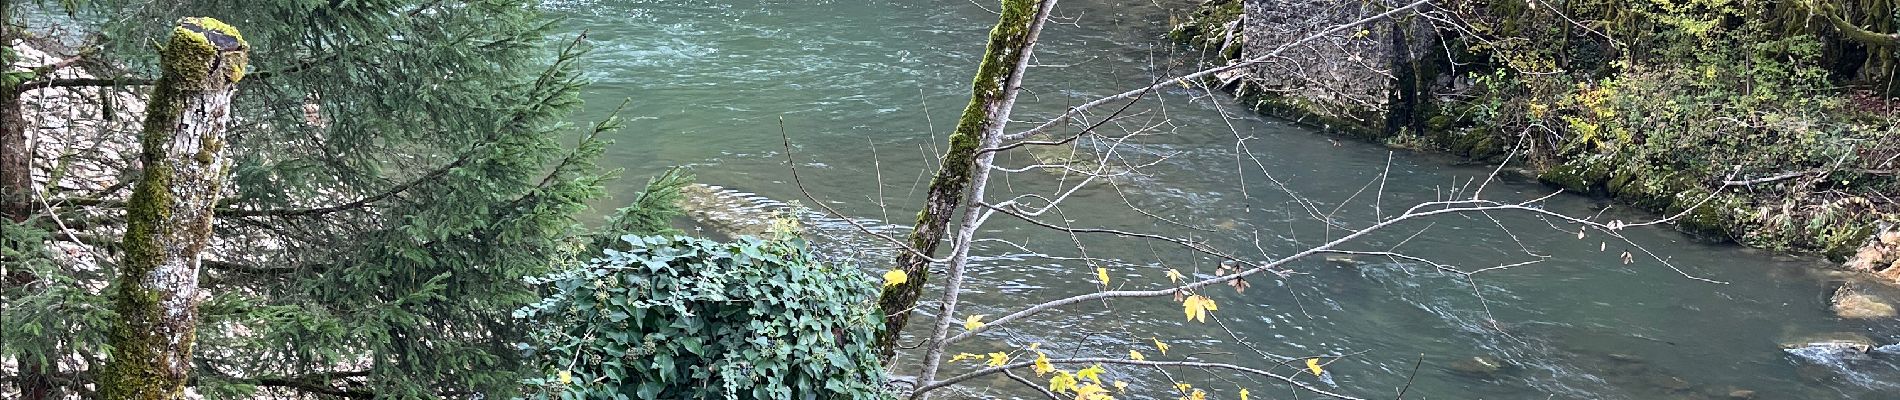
x=152 y=340
x=1008 y=42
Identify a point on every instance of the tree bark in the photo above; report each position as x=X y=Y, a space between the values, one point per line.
x=15 y=159
x=168 y=219
x=997 y=81
x=16 y=185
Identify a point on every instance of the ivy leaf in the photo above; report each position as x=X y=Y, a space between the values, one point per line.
x=895 y=277
x=973 y=322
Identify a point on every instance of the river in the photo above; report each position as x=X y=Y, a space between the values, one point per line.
x=868 y=88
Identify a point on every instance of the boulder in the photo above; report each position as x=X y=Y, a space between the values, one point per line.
x=1880 y=256
x=1853 y=304
x=1840 y=343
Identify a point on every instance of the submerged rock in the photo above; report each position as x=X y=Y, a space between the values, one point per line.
x=1741 y=394
x=1478 y=366
x=1831 y=344
x=1852 y=304
x=730 y=213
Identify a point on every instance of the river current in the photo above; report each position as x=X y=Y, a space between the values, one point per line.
x=868 y=89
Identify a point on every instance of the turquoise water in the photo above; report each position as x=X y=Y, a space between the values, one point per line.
x=868 y=89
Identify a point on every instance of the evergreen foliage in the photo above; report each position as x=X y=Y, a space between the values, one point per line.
x=374 y=251
x=673 y=317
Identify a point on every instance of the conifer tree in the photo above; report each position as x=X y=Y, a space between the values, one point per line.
x=397 y=167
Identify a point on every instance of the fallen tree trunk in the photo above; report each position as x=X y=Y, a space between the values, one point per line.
x=168 y=219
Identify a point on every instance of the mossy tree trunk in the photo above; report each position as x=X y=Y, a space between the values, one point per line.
x=168 y=219
x=993 y=91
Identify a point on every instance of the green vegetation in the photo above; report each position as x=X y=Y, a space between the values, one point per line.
x=1770 y=124
x=399 y=167
x=673 y=317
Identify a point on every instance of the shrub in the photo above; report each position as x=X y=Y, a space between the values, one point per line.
x=674 y=317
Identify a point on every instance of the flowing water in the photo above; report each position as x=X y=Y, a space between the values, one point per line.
x=867 y=90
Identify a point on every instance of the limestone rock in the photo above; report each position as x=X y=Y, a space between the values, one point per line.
x=1845 y=343
x=1851 y=304
x=1880 y=256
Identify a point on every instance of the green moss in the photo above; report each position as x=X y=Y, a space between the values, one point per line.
x=141 y=354
x=1206 y=27
x=1003 y=53
x=189 y=52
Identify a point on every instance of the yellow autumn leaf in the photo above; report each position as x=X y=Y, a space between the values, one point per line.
x=1092 y=373
x=997 y=359
x=567 y=377
x=1063 y=382
x=1198 y=395
x=965 y=356
x=1034 y=346
x=1102 y=273
x=1136 y=355
x=1121 y=386
x=1161 y=346
x=1243 y=393
x=1312 y=365
x=1092 y=392
x=895 y=277
x=1197 y=306
x=1042 y=364
x=974 y=321
x=1175 y=276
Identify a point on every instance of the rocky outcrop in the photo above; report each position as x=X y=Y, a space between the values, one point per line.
x=1880 y=256
x=1368 y=80
x=1364 y=78
x=1852 y=304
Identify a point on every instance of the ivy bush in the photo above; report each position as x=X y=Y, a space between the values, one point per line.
x=675 y=317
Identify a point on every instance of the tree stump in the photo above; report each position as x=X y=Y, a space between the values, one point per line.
x=168 y=219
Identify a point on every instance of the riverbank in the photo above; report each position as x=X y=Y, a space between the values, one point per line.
x=1765 y=148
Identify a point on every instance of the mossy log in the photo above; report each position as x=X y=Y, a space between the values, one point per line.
x=168 y=219
x=992 y=92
